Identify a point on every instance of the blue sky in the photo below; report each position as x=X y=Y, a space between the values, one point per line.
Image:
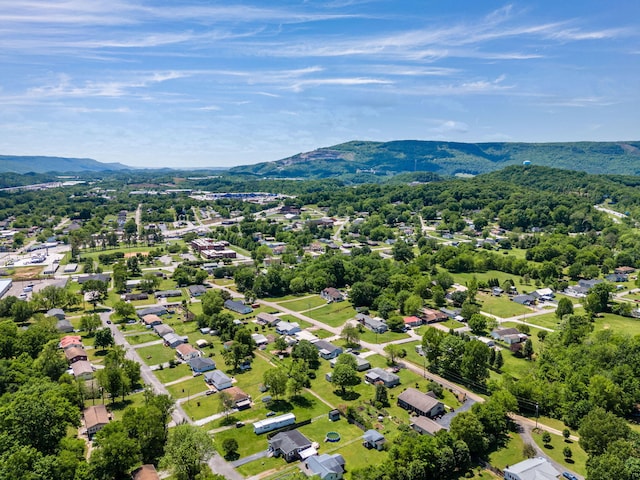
x=196 y=83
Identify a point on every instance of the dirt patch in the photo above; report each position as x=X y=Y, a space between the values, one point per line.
x=26 y=273
x=136 y=254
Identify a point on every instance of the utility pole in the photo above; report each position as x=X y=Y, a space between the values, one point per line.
x=537 y=415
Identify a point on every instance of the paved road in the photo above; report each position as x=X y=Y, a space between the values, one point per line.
x=217 y=464
x=527 y=437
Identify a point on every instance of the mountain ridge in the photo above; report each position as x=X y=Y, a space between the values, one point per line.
x=46 y=164
x=450 y=158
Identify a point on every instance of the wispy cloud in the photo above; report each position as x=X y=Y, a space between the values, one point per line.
x=302 y=84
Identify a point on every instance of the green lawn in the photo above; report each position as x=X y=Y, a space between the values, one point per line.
x=516 y=366
x=156 y=354
x=292 y=318
x=334 y=314
x=167 y=375
x=578 y=460
x=190 y=387
x=463 y=278
x=143 y=337
x=372 y=337
x=510 y=454
x=630 y=326
x=501 y=306
x=303 y=303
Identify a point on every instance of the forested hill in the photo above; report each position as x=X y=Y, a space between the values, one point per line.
x=450 y=158
x=40 y=164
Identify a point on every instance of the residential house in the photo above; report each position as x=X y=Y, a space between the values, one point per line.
x=202 y=343
x=373 y=439
x=145 y=472
x=218 y=379
x=201 y=364
x=75 y=354
x=82 y=370
x=95 y=418
x=376 y=375
x=362 y=364
x=331 y=294
x=155 y=310
x=241 y=400
x=64 y=326
x=173 y=340
x=531 y=469
x=429 y=315
x=425 y=426
x=589 y=284
x=527 y=300
x=187 y=352
x=131 y=297
x=259 y=339
x=168 y=293
x=267 y=319
x=423 y=404
x=289 y=444
x=325 y=466
x=102 y=277
x=197 y=290
x=509 y=335
x=57 y=313
x=162 y=330
x=69 y=341
x=273 y=423
x=151 y=320
x=326 y=349
x=543 y=294
x=287 y=328
x=237 y=307
x=624 y=270
x=376 y=325
x=412 y=321
x=617 y=277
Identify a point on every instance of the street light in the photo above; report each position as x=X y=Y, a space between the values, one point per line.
x=536 y=415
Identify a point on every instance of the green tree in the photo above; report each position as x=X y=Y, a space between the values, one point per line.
x=478 y=323
x=466 y=427
x=597 y=299
x=89 y=323
x=468 y=309
x=474 y=361
x=566 y=433
x=393 y=351
x=599 y=429
x=116 y=453
x=212 y=302
x=226 y=402
x=344 y=376
x=350 y=334
x=565 y=307
x=413 y=305
x=499 y=361
x=438 y=298
x=395 y=323
x=276 y=380
x=381 y=396
x=186 y=450
x=21 y=311
x=402 y=252
x=230 y=447
x=567 y=453
x=104 y=339
x=298 y=377
x=306 y=351
x=546 y=438
x=146 y=425
x=50 y=361
x=527 y=350
x=280 y=344
x=124 y=309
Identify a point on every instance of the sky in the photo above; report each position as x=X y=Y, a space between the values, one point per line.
x=206 y=83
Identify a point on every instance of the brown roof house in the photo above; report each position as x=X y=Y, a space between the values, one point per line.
x=95 y=418
x=186 y=352
x=331 y=294
x=82 y=370
x=241 y=400
x=420 y=403
x=75 y=354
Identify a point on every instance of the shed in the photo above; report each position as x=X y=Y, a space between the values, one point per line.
x=373 y=439
x=334 y=415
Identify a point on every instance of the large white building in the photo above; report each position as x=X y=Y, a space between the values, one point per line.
x=532 y=469
x=5 y=285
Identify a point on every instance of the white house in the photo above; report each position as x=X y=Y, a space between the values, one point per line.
x=531 y=469
x=218 y=379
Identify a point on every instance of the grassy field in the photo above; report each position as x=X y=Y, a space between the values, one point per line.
x=578 y=461
x=463 y=278
x=630 y=326
x=334 y=314
x=143 y=337
x=501 y=306
x=510 y=454
x=156 y=354
x=372 y=337
x=303 y=303
x=167 y=375
x=291 y=318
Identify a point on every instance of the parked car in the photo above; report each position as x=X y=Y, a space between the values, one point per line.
x=270 y=414
x=569 y=476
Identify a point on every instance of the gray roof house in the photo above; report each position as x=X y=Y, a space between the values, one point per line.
x=287 y=328
x=289 y=444
x=173 y=339
x=379 y=375
x=373 y=439
x=421 y=403
x=527 y=300
x=327 y=467
x=197 y=290
x=201 y=364
x=531 y=469
x=425 y=426
x=218 y=379
x=374 y=324
x=163 y=329
x=64 y=326
x=237 y=307
x=362 y=364
x=168 y=293
x=155 y=310
x=327 y=350
x=56 y=312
